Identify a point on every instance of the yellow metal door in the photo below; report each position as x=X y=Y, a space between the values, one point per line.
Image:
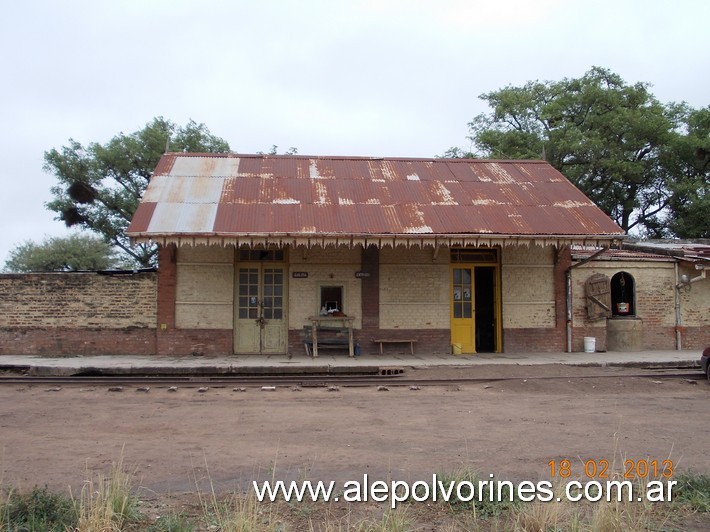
x=463 y=320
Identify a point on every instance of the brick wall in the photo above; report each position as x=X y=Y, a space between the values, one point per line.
x=414 y=289
x=533 y=340
x=77 y=313
x=534 y=298
x=654 y=283
x=370 y=288
x=195 y=342
x=204 y=288
x=695 y=310
x=406 y=296
x=167 y=288
x=528 y=286
x=325 y=267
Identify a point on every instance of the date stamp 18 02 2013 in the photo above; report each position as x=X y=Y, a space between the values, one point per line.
x=602 y=469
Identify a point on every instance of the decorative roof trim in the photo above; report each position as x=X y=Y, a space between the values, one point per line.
x=380 y=241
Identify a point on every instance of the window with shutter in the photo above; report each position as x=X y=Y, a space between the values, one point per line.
x=598 y=292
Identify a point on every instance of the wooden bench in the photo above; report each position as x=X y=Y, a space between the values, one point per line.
x=382 y=341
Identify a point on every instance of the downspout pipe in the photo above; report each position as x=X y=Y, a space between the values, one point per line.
x=568 y=284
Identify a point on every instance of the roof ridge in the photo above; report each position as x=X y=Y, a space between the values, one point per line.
x=352 y=157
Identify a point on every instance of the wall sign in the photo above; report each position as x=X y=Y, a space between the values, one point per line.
x=362 y=275
x=299 y=275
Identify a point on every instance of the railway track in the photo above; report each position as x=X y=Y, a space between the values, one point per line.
x=314 y=381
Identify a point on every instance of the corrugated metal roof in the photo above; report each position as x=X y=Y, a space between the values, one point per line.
x=228 y=196
x=619 y=255
x=689 y=249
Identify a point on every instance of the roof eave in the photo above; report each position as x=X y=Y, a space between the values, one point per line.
x=378 y=240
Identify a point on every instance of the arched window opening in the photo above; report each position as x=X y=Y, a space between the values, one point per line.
x=623 y=295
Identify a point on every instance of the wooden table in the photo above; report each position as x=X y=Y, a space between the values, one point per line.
x=319 y=321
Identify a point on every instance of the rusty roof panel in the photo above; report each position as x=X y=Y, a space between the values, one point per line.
x=240 y=190
x=370 y=218
x=141 y=218
x=303 y=195
x=408 y=193
x=254 y=167
x=285 y=168
x=164 y=165
x=248 y=217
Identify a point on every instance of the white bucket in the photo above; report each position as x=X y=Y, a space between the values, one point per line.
x=590 y=344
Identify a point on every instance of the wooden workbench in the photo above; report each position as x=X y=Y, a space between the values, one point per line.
x=330 y=321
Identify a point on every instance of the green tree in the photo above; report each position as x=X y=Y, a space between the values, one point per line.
x=100 y=185
x=275 y=151
x=608 y=137
x=61 y=254
x=688 y=156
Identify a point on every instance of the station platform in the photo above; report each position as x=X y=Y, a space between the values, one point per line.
x=324 y=364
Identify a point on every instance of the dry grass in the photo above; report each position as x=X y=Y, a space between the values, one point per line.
x=540 y=516
x=238 y=513
x=106 y=503
x=398 y=520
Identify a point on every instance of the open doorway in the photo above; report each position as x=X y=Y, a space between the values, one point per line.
x=485 y=289
x=475 y=301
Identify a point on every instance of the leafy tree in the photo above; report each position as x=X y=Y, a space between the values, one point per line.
x=57 y=254
x=275 y=151
x=612 y=139
x=689 y=156
x=100 y=185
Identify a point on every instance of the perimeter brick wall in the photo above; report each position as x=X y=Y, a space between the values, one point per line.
x=77 y=313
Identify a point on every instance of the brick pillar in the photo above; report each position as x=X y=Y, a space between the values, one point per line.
x=370 y=288
x=563 y=260
x=167 y=291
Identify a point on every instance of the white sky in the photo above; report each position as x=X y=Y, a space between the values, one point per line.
x=370 y=77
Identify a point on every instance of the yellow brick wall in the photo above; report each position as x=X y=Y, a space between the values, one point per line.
x=414 y=288
x=528 y=287
x=205 y=288
x=325 y=267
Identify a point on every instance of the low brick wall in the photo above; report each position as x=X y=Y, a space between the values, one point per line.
x=85 y=313
x=58 y=341
x=198 y=342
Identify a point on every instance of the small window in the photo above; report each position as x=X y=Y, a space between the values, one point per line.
x=259 y=255
x=331 y=299
x=484 y=255
x=623 y=295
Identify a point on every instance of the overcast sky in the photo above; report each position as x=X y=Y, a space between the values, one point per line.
x=371 y=78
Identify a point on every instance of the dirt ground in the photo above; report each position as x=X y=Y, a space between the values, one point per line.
x=512 y=428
